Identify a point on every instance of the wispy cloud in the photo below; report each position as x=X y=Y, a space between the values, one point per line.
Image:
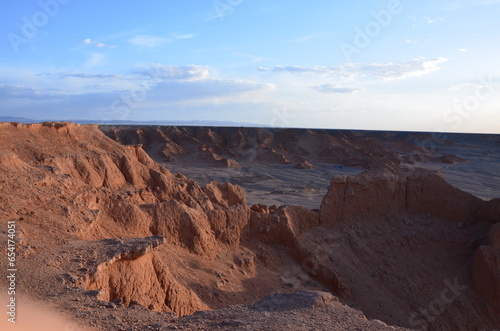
x=385 y=71
x=309 y=37
x=252 y=58
x=334 y=88
x=105 y=40
x=164 y=86
x=416 y=21
x=465 y=4
x=144 y=40
x=183 y=36
x=23 y=92
x=96 y=60
x=89 y=42
x=196 y=91
x=434 y=20
x=170 y=72
x=463 y=86
x=82 y=75
x=148 y=41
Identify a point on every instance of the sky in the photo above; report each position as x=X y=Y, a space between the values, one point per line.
x=377 y=65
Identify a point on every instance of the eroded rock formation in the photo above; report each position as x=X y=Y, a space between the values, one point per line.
x=131 y=272
x=378 y=239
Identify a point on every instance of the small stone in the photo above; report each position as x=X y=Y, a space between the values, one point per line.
x=118 y=302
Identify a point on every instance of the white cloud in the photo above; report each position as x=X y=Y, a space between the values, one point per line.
x=89 y=42
x=148 y=41
x=210 y=89
x=463 y=50
x=96 y=94
x=86 y=75
x=385 y=71
x=334 y=88
x=49 y=104
x=153 y=41
x=183 y=36
x=170 y=72
x=410 y=41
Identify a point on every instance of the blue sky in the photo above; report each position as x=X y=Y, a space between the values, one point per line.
x=387 y=65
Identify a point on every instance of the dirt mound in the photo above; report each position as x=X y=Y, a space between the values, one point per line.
x=304 y=165
x=230 y=163
x=304 y=310
x=297 y=300
x=451 y=159
x=9 y=161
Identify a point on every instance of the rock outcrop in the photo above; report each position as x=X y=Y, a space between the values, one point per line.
x=396 y=215
x=304 y=165
x=131 y=272
x=225 y=194
x=376 y=195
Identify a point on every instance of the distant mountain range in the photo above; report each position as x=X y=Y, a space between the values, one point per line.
x=131 y=122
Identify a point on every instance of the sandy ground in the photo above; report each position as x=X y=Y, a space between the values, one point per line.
x=284 y=185
x=272 y=184
x=480 y=173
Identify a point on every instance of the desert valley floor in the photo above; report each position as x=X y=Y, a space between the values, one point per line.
x=219 y=228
